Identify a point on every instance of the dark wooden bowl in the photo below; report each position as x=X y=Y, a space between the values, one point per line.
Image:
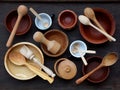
x=107 y=22
x=98 y=76
x=24 y=25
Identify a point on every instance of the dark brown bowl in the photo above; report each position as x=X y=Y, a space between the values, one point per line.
x=58 y=36
x=24 y=25
x=98 y=76
x=107 y=22
x=67 y=19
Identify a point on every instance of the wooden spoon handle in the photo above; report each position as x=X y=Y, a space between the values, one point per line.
x=11 y=37
x=40 y=73
x=84 y=61
x=91 y=51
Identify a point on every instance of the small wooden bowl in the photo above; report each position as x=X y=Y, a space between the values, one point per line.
x=107 y=22
x=67 y=19
x=24 y=25
x=98 y=76
x=65 y=68
x=58 y=36
x=21 y=72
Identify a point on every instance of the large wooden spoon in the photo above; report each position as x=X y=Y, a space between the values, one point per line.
x=90 y=14
x=19 y=59
x=22 y=10
x=108 y=60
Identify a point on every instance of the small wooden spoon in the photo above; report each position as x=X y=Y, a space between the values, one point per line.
x=19 y=59
x=108 y=60
x=22 y=10
x=90 y=14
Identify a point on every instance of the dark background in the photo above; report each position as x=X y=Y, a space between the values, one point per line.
x=9 y=83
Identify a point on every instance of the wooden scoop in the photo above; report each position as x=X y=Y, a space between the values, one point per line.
x=22 y=10
x=108 y=60
x=19 y=59
x=52 y=46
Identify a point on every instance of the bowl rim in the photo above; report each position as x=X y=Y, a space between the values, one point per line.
x=111 y=18
x=25 y=31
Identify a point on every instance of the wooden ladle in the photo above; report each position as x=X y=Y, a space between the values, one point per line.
x=108 y=60
x=21 y=10
x=18 y=59
x=89 y=12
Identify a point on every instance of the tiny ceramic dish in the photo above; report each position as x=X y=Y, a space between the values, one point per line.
x=58 y=36
x=44 y=23
x=98 y=76
x=67 y=19
x=24 y=26
x=107 y=22
x=22 y=72
x=65 y=68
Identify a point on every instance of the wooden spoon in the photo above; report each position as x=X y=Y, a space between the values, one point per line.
x=108 y=60
x=19 y=59
x=90 y=14
x=22 y=10
x=84 y=20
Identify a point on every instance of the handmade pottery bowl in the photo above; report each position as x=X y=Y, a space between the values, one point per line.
x=98 y=76
x=24 y=25
x=67 y=19
x=58 y=36
x=45 y=19
x=22 y=72
x=65 y=68
x=107 y=22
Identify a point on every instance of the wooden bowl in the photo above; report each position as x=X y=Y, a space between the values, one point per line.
x=98 y=76
x=67 y=19
x=24 y=25
x=21 y=72
x=58 y=36
x=107 y=22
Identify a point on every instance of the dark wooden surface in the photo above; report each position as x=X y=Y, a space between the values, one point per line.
x=9 y=83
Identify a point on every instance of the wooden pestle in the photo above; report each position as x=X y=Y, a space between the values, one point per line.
x=52 y=46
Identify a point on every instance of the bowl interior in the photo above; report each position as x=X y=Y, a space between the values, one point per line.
x=98 y=76
x=24 y=25
x=58 y=36
x=107 y=22
x=22 y=72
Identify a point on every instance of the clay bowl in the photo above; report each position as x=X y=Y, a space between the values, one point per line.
x=98 y=76
x=21 y=72
x=107 y=22
x=65 y=68
x=67 y=19
x=58 y=36
x=24 y=25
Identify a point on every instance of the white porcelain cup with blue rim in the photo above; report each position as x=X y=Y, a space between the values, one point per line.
x=41 y=23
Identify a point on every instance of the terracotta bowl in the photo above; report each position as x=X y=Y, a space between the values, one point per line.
x=107 y=22
x=24 y=25
x=58 y=36
x=98 y=76
x=65 y=68
x=67 y=19
x=21 y=72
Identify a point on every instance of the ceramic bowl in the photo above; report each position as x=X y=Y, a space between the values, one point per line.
x=21 y=72
x=106 y=20
x=67 y=19
x=98 y=76
x=65 y=68
x=45 y=18
x=58 y=36
x=24 y=25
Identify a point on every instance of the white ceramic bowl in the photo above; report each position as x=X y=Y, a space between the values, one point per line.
x=45 y=19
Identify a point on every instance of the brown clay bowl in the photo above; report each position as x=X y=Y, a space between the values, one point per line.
x=67 y=19
x=24 y=25
x=98 y=76
x=107 y=22
x=22 y=72
x=58 y=36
